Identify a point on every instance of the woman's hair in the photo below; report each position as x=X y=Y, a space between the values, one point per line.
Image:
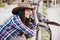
x=21 y=14
x=26 y=21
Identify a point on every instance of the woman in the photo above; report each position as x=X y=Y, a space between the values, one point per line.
x=18 y=23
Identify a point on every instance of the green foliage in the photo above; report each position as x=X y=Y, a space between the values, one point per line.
x=2 y=4
x=44 y=11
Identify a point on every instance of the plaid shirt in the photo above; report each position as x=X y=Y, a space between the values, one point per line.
x=14 y=27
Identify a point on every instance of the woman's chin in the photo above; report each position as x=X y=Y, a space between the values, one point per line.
x=27 y=17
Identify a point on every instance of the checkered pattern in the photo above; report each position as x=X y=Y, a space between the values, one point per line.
x=13 y=28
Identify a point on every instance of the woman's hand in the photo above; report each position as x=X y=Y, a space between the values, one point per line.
x=34 y=10
x=35 y=15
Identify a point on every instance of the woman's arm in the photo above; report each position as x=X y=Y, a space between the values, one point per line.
x=20 y=26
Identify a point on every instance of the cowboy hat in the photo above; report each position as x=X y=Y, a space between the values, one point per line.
x=22 y=6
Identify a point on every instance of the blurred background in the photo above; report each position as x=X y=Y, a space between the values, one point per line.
x=49 y=8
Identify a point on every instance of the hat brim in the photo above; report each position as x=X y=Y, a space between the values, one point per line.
x=17 y=9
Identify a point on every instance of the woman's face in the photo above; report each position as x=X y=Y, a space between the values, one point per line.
x=28 y=12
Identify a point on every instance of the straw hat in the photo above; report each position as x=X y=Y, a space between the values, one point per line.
x=22 y=6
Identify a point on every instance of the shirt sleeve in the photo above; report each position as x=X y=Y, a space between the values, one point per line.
x=33 y=25
x=20 y=26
